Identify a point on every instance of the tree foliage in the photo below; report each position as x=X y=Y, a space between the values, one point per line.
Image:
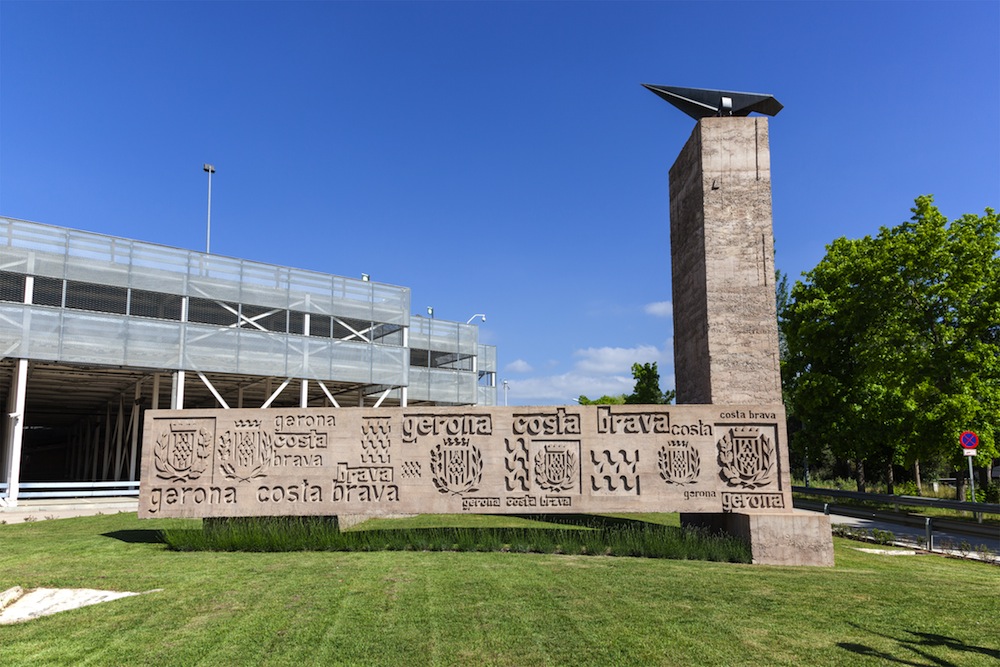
x=893 y=342
x=603 y=400
x=647 y=387
x=646 y=390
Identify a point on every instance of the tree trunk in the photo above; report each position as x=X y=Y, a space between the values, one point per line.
x=859 y=476
x=916 y=476
x=984 y=477
x=890 y=479
x=961 y=481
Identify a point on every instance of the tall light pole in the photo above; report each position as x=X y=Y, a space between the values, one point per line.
x=208 y=236
x=475 y=316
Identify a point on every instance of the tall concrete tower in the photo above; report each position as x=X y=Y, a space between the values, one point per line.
x=722 y=255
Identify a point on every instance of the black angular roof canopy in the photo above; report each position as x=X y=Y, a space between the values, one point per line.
x=701 y=103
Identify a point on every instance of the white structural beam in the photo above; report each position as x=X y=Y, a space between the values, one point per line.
x=177 y=391
x=135 y=426
x=381 y=398
x=15 y=431
x=277 y=392
x=328 y=394
x=212 y=389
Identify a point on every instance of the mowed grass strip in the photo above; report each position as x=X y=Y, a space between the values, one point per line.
x=473 y=608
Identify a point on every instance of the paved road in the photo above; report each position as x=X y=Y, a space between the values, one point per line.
x=914 y=535
x=40 y=510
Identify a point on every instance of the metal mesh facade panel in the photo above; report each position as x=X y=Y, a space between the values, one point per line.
x=442 y=386
x=55 y=252
x=99 y=298
x=112 y=301
x=487 y=358
x=487 y=396
x=97 y=338
x=11 y=287
x=155 y=304
x=209 y=311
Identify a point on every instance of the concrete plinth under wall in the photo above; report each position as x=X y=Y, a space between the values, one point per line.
x=775 y=539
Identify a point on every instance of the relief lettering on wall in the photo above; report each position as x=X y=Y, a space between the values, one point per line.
x=365 y=484
x=182 y=451
x=479 y=503
x=456 y=466
x=746 y=458
x=614 y=472
x=167 y=498
x=294 y=493
x=679 y=462
x=417 y=425
x=632 y=422
x=733 y=502
x=545 y=423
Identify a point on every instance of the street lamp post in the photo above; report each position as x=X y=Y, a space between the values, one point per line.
x=506 y=386
x=208 y=235
x=475 y=316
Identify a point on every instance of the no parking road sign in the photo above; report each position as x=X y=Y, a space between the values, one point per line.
x=969 y=442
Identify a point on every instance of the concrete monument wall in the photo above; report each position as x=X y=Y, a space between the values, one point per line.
x=348 y=461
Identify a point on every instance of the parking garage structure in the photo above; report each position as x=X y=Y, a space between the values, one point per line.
x=95 y=329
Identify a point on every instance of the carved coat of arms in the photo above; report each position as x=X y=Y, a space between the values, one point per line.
x=556 y=467
x=246 y=452
x=746 y=458
x=456 y=466
x=181 y=452
x=679 y=463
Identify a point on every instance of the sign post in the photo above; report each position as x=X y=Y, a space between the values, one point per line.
x=969 y=442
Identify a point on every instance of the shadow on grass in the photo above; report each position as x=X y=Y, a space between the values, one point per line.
x=916 y=645
x=136 y=536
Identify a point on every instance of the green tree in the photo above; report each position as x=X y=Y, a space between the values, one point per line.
x=603 y=400
x=646 y=390
x=893 y=343
x=647 y=387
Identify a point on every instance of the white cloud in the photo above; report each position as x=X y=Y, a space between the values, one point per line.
x=606 y=360
x=598 y=371
x=659 y=309
x=562 y=389
x=518 y=366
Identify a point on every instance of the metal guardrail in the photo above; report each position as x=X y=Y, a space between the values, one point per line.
x=905 y=501
x=27 y=490
x=929 y=524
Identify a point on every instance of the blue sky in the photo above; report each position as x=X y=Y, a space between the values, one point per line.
x=497 y=158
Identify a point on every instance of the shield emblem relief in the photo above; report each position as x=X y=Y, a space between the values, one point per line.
x=748 y=454
x=182 y=450
x=679 y=463
x=246 y=452
x=456 y=466
x=250 y=449
x=557 y=466
x=746 y=458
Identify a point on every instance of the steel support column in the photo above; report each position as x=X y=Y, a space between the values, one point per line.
x=15 y=431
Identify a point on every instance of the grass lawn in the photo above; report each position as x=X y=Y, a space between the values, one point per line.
x=443 y=608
